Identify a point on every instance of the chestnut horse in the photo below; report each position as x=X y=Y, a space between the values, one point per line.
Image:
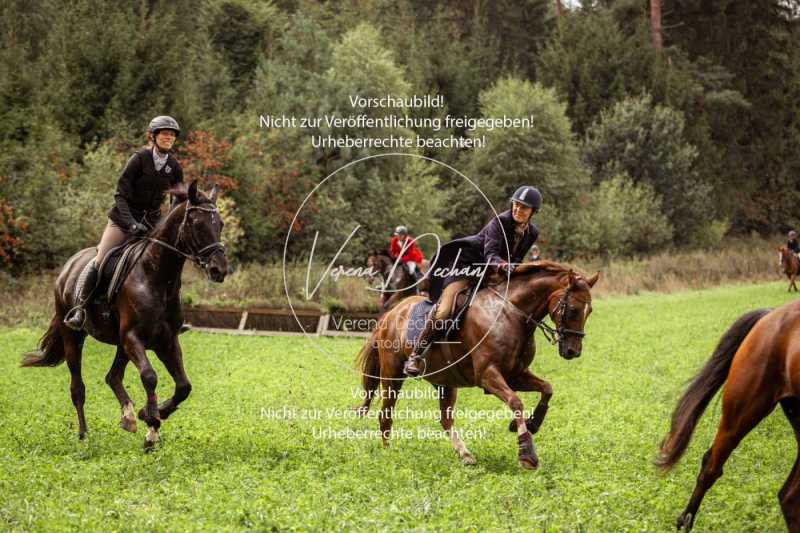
x=146 y=313
x=492 y=349
x=790 y=265
x=758 y=361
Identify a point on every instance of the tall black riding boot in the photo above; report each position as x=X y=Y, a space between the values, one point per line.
x=83 y=290
x=416 y=362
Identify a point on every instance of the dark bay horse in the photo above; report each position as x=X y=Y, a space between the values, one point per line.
x=493 y=350
x=790 y=265
x=758 y=361
x=397 y=280
x=146 y=312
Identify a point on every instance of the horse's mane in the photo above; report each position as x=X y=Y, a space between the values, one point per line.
x=542 y=266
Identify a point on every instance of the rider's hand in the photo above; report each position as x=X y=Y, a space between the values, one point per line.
x=505 y=267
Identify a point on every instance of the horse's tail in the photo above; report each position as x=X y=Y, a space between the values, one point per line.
x=51 y=347
x=368 y=361
x=702 y=389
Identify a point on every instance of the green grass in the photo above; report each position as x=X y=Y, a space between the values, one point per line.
x=222 y=465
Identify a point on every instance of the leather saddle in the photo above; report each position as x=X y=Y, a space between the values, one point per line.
x=117 y=264
x=421 y=312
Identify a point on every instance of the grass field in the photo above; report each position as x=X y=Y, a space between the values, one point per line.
x=231 y=458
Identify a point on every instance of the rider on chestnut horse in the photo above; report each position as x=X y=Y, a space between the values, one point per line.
x=487 y=248
x=147 y=176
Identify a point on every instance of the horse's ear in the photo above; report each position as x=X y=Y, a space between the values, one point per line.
x=571 y=278
x=192 y=192
x=213 y=195
x=593 y=279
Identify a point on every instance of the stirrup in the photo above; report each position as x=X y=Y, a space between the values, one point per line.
x=417 y=374
x=71 y=315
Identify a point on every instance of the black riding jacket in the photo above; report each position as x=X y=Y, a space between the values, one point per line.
x=794 y=246
x=141 y=189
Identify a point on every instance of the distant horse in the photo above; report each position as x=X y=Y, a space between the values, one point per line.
x=492 y=349
x=146 y=311
x=790 y=265
x=758 y=361
x=397 y=279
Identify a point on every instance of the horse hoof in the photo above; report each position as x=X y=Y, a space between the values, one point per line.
x=128 y=424
x=528 y=462
x=468 y=459
x=81 y=436
x=685 y=521
x=151 y=439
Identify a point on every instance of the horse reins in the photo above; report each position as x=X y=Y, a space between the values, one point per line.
x=201 y=256
x=551 y=334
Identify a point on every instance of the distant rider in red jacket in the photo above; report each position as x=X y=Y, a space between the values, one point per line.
x=411 y=257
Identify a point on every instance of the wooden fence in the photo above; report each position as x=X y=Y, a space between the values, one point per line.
x=270 y=321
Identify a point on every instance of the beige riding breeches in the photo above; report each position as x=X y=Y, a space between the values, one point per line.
x=446 y=300
x=112 y=236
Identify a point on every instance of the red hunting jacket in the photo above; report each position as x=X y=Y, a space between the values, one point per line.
x=412 y=252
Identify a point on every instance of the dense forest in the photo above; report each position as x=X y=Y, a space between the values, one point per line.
x=658 y=124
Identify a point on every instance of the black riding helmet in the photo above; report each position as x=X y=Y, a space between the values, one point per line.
x=528 y=196
x=164 y=122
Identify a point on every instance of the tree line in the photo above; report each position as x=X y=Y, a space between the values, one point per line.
x=657 y=124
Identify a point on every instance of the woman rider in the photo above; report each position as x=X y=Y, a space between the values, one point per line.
x=147 y=176
x=487 y=249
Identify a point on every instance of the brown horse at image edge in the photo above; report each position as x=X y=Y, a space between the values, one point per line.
x=758 y=361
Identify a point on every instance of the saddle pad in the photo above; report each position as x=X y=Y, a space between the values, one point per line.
x=116 y=266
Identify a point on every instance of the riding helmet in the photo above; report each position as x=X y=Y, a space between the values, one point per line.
x=528 y=196
x=401 y=230
x=164 y=122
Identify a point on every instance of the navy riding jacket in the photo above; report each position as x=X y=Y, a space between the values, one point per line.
x=487 y=249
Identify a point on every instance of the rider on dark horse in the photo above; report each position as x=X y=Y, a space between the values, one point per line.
x=147 y=176
x=486 y=249
x=411 y=257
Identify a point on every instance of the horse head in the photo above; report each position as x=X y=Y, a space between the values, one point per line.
x=200 y=229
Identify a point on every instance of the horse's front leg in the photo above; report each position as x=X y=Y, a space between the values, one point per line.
x=492 y=380
x=172 y=357
x=527 y=381
x=149 y=413
x=447 y=402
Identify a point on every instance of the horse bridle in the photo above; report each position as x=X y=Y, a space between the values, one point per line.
x=553 y=335
x=202 y=256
